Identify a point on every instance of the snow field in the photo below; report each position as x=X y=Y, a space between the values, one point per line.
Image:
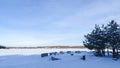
x=34 y=51
x=31 y=58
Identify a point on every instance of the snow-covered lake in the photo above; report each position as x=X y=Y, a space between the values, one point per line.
x=31 y=58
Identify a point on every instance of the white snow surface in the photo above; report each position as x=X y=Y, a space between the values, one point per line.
x=35 y=51
x=31 y=58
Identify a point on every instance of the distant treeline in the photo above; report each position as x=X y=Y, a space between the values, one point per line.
x=46 y=47
x=2 y=47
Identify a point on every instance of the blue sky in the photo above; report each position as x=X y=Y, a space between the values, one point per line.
x=53 y=22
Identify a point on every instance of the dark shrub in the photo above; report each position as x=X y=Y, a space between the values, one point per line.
x=55 y=53
x=83 y=57
x=51 y=53
x=61 y=52
x=44 y=54
x=77 y=52
x=53 y=58
x=69 y=52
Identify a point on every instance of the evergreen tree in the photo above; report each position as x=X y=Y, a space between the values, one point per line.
x=112 y=36
x=95 y=40
x=104 y=37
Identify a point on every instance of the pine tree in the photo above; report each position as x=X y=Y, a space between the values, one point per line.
x=104 y=37
x=95 y=40
x=112 y=36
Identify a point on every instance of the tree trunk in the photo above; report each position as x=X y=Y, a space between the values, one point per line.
x=113 y=54
x=107 y=51
x=117 y=53
x=103 y=52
